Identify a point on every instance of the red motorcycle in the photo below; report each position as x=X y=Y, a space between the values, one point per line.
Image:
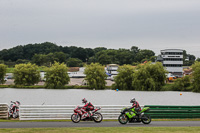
x=93 y=115
x=14 y=109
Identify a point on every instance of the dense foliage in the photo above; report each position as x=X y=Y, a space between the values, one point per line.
x=149 y=77
x=182 y=84
x=46 y=53
x=74 y=62
x=2 y=73
x=196 y=77
x=26 y=74
x=56 y=76
x=95 y=76
x=123 y=80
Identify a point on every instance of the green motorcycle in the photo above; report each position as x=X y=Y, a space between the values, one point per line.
x=131 y=116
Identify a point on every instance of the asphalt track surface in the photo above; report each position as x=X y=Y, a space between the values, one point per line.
x=102 y=124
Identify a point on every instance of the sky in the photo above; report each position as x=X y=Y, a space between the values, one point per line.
x=147 y=24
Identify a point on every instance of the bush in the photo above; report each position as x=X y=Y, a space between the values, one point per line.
x=26 y=74
x=56 y=76
x=123 y=80
x=181 y=84
x=196 y=77
x=2 y=73
x=149 y=77
x=95 y=76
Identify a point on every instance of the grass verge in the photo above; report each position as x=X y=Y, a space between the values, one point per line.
x=42 y=86
x=105 y=130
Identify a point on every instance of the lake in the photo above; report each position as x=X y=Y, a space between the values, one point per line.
x=97 y=97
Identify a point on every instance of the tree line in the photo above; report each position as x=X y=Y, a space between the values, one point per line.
x=143 y=77
x=44 y=54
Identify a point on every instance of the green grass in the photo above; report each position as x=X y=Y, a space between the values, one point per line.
x=22 y=87
x=42 y=86
x=105 y=130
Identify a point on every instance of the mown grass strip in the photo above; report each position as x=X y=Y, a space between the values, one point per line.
x=105 y=130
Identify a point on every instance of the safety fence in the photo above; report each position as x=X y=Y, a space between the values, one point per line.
x=53 y=112
x=3 y=111
x=163 y=111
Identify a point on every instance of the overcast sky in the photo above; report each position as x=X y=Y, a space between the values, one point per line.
x=148 y=24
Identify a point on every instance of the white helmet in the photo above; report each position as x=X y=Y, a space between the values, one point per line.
x=132 y=100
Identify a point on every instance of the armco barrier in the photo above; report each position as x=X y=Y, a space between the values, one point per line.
x=161 y=111
x=52 y=112
x=3 y=111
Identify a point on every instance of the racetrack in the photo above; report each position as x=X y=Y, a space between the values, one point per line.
x=102 y=124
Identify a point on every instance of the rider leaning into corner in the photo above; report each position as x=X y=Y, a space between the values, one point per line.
x=135 y=105
x=86 y=109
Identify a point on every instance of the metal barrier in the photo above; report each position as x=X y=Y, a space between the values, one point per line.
x=53 y=112
x=163 y=111
x=3 y=111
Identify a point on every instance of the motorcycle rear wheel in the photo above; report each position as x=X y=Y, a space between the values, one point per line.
x=146 y=119
x=75 y=118
x=15 y=115
x=123 y=119
x=97 y=117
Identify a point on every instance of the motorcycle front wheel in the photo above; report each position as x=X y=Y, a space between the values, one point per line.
x=123 y=119
x=15 y=115
x=75 y=118
x=146 y=119
x=97 y=117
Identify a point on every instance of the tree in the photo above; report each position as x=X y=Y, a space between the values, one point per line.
x=142 y=54
x=26 y=74
x=2 y=73
x=22 y=61
x=198 y=59
x=74 y=62
x=196 y=76
x=95 y=76
x=57 y=76
x=124 y=56
x=149 y=77
x=188 y=59
x=60 y=57
x=181 y=84
x=40 y=59
x=124 y=79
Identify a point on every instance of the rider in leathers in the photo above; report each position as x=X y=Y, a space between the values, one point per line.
x=135 y=105
x=86 y=109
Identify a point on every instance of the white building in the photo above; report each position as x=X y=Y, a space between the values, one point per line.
x=173 y=61
x=112 y=69
x=78 y=74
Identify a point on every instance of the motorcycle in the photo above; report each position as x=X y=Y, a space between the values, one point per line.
x=93 y=115
x=14 y=109
x=132 y=116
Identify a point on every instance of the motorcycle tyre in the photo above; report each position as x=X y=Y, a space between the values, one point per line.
x=144 y=121
x=75 y=121
x=122 y=122
x=100 y=116
x=15 y=115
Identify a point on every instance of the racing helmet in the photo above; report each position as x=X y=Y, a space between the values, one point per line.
x=132 y=100
x=84 y=100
